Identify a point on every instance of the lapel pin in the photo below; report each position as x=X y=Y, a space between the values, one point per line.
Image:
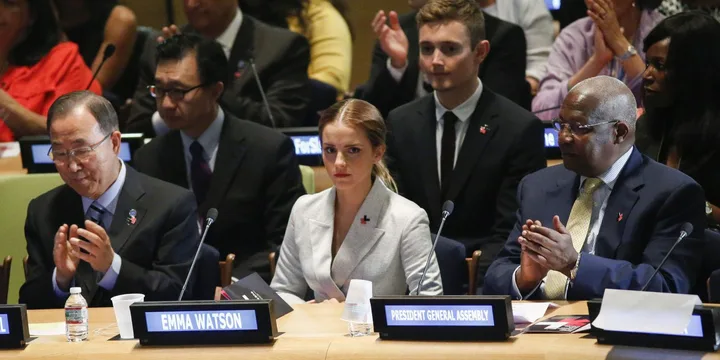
x=364 y=220
x=620 y=217
x=131 y=220
x=240 y=69
x=484 y=129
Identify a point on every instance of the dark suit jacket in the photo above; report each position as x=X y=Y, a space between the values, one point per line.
x=254 y=187
x=655 y=201
x=281 y=58
x=156 y=251
x=486 y=175
x=503 y=70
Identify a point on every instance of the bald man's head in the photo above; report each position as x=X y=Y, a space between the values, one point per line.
x=608 y=99
x=598 y=117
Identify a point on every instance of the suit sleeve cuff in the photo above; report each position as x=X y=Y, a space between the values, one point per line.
x=516 y=291
x=110 y=278
x=396 y=74
x=58 y=292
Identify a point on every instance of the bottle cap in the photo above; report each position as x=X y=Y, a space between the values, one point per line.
x=75 y=290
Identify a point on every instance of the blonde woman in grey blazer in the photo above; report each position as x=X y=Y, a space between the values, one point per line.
x=359 y=228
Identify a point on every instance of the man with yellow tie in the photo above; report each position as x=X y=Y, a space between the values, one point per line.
x=607 y=217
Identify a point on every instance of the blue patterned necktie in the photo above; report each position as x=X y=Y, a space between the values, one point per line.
x=95 y=213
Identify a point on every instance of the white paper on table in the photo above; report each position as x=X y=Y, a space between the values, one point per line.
x=47 y=329
x=9 y=149
x=645 y=312
x=529 y=312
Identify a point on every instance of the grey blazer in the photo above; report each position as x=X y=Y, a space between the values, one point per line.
x=387 y=244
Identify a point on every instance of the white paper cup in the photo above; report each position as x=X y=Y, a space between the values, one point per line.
x=357 y=302
x=121 y=305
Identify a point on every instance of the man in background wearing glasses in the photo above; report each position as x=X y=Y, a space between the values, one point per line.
x=607 y=217
x=247 y=171
x=109 y=230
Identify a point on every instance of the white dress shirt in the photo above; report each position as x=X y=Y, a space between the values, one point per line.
x=463 y=113
x=600 y=200
x=227 y=38
x=108 y=200
x=210 y=141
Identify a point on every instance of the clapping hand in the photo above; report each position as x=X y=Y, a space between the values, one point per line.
x=550 y=248
x=602 y=13
x=392 y=38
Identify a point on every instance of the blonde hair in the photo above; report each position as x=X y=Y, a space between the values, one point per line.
x=361 y=115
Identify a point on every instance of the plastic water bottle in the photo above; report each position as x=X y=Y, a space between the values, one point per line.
x=76 y=316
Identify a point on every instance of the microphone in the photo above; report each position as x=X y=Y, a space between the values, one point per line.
x=209 y=220
x=685 y=230
x=262 y=90
x=109 y=51
x=447 y=209
x=547 y=109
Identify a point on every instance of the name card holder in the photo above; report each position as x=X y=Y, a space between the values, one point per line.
x=703 y=333
x=204 y=322
x=443 y=318
x=14 y=333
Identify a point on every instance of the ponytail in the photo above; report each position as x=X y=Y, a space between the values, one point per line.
x=381 y=171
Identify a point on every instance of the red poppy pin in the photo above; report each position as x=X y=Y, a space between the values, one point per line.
x=364 y=220
x=620 y=217
x=484 y=129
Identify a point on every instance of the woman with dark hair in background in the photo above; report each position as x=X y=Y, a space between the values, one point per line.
x=35 y=67
x=326 y=26
x=606 y=42
x=681 y=91
x=93 y=24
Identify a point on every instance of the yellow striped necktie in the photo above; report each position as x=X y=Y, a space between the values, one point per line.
x=578 y=226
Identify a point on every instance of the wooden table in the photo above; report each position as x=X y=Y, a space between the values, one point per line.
x=316 y=332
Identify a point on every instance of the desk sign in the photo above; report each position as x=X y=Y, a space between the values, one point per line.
x=14 y=331
x=203 y=322
x=468 y=318
x=702 y=333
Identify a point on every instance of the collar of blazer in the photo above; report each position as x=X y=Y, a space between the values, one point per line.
x=485 y=122
x=229 y=157
x=360 y=239
x=120 y=230
x=621 y=201
x=243 y=48
x=129 y=199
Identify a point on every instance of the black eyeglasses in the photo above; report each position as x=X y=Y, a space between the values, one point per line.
x=577 y=129
x=174 y=94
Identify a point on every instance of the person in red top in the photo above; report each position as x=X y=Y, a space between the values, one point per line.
x=35 y=67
